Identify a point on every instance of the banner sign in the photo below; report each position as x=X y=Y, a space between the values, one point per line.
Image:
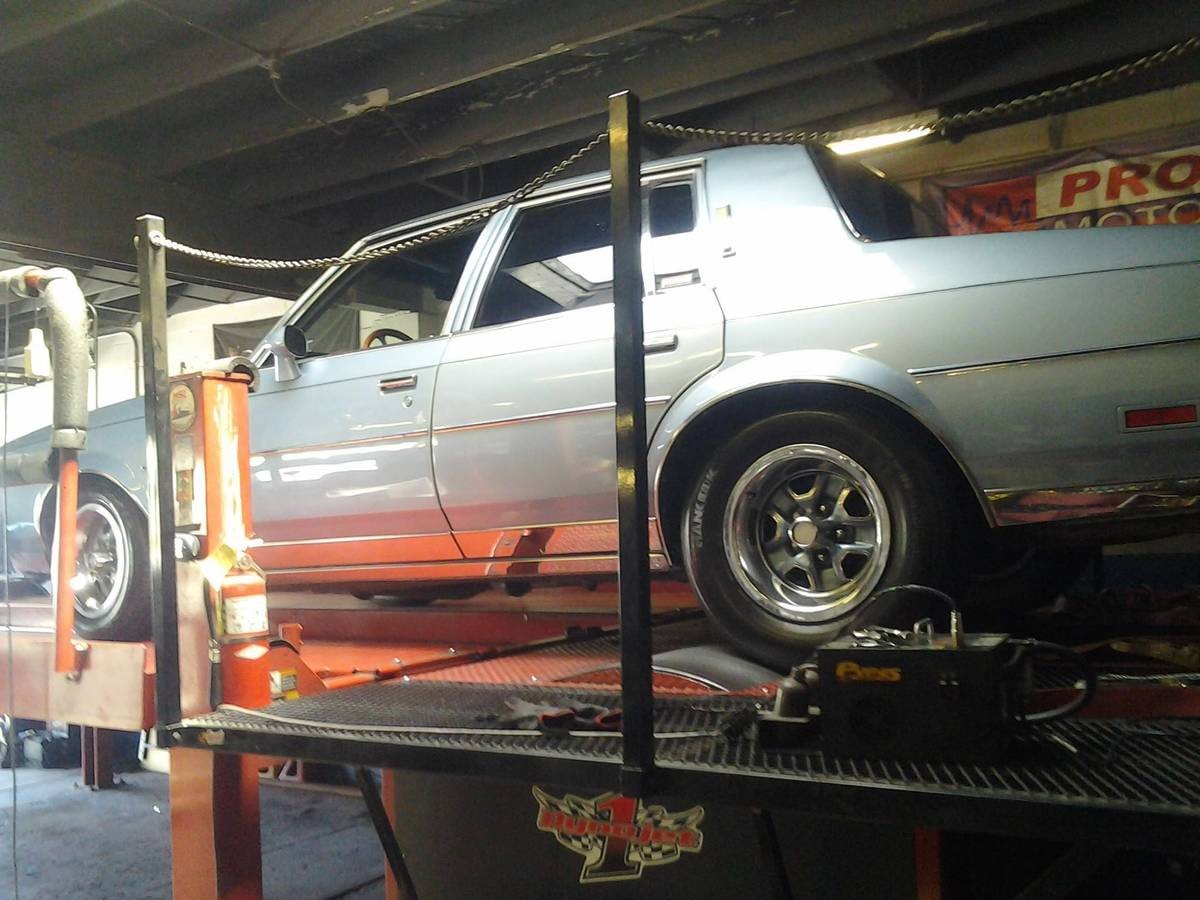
x=1098 y=188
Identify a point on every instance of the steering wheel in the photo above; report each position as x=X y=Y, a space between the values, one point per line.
x=381 y=334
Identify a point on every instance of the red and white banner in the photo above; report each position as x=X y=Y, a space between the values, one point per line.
x=1093 y=188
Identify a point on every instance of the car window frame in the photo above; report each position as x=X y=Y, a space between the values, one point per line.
x=835 y=201
x=686 y=171
x=331 y=278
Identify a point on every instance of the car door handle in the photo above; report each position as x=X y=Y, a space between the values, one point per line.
x=661 y=342
x=397 y=383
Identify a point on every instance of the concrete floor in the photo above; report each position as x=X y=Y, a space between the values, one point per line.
x=73 y=842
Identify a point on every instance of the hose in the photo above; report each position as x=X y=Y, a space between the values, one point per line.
x=1076 y=703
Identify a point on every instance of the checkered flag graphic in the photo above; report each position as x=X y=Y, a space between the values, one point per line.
x=654 y=854
x=590 y=846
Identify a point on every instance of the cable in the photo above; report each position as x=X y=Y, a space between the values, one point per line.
x=956 y=622
x=917 y=589
x=432 y=729
x=204 y=29
x=1184 y=678
x=12 y=697
x=1077 y=702
x=275 y=76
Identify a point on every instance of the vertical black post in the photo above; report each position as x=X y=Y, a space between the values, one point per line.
x=160 y=474
x=637 y=698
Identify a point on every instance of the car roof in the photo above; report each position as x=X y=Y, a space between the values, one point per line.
x=590 y=178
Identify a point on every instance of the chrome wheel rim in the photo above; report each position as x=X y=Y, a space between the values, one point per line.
x=102 y=561
x=807 y=533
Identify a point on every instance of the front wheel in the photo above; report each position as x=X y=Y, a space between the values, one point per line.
x=798 y=519
x=112 y=575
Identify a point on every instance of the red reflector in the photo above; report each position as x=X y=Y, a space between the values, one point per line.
x=1160 y=415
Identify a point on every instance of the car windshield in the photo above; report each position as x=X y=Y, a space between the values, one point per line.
x=876 y=209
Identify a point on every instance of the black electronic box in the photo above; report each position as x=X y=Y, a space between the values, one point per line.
x=925 y=700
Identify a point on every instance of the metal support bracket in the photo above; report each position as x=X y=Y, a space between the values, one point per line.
x=387 y=835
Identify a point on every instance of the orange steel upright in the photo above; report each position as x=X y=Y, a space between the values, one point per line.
x=64 y=599
x=215 y=826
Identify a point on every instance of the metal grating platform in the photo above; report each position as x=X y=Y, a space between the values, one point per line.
x=1136 y=783
x=588 y=660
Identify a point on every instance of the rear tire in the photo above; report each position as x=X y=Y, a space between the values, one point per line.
x=796 y=520
x=112 y=593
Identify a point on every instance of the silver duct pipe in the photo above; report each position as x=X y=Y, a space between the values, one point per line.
x=69 y=344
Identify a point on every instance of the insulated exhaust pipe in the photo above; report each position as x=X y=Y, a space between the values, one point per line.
x=69 y=344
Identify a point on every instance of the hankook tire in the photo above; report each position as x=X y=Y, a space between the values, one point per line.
x=795 y=521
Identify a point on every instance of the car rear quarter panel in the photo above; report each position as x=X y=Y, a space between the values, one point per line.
x=1017 y=350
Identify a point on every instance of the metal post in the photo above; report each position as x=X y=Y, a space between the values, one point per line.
x=637 y=700
x=386 y=833
x=160 y=473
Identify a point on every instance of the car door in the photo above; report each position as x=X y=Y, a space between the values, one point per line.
x=340 y=455
x=524 y=453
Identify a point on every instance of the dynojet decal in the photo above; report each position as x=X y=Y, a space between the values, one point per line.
x=616 y=835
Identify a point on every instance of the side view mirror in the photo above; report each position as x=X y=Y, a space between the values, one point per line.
x=291 y=345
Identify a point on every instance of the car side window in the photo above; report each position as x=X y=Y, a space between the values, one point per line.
x=559 y=255
x=877 y=209
x=398 y=298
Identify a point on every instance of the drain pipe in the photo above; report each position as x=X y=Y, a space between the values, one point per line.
x=69 y=345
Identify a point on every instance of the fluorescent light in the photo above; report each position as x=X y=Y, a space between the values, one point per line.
x=877 y=141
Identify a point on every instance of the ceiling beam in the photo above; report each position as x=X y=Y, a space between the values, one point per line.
x=839 y=93
x=71 y=204
x=297 y=26
x=1110 y=31
x=484 y=45
x=41 y=21
x=675 y=72
x=794 y=76
x=795 y=73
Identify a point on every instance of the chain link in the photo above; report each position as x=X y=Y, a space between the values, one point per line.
x=158 y=239
x=939 y=124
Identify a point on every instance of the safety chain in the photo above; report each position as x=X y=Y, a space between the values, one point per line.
x=939 y=124
x=158 y=239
